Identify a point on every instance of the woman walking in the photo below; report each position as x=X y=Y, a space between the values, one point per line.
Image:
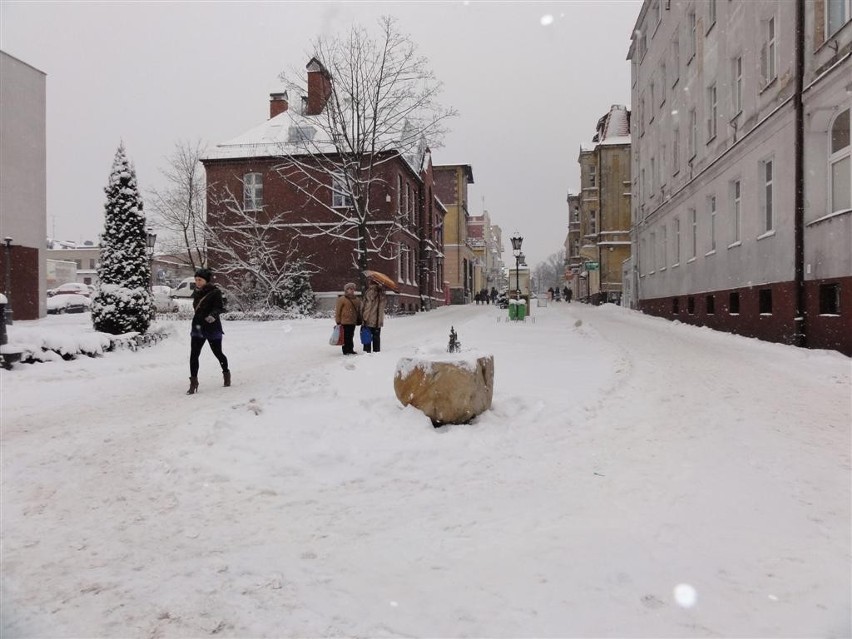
x=374 y=315
x=206 y=326
x=347 y=313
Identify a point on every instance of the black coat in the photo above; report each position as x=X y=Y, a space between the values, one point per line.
x=207 y=302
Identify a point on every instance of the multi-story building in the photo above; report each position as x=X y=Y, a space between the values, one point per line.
x=604 y=209
x=23 y=187
x=451 y=183
x=573 y=260
x=280 y=176
x=485 y=239
x=86 y=256
x=741 y=156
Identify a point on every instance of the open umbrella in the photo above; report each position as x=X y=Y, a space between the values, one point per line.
x=382 y=279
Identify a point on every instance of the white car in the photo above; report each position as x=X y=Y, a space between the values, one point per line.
x=163 y=300
x=72 y=288
x=185 y=288
x=68 y=303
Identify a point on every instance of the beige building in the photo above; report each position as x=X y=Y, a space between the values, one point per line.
x=486 y=241
x=86 y=256
x=451 y=182
x=602 y=237
x=741 y=209
x=23 y=186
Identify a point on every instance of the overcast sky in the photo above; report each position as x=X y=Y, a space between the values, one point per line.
x=530 y=80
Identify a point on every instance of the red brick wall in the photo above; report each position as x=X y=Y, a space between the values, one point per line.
x=24 y=295
x=829 y=332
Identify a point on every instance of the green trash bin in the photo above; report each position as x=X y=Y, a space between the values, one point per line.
x=521 y=312
x=513 y=311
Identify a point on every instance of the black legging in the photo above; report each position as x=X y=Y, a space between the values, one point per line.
x=197 y=345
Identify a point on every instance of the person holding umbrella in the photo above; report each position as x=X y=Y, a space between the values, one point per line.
x=373 y=313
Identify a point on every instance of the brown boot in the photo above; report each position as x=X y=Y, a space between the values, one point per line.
x=227 y=376
x=193 y=386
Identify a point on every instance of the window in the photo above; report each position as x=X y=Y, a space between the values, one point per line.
x=691 y=25
x=398 y=195
x=840 y=164
x=711 y=14
x=665 y=244
x=662 y=84
x=694 y=244
x=252 y=192
x=677 y=241
x=836 y=15
x=675 y=61
x=690 y=305
x=676 y=151
x=693 y=134
x=658 y=11
x=764 y=301
x=712 y=112
x=829 y=299
x=405 y=200
x=767 y=203
x=593 y=223
x=710 y=302
x=768 y=52
x=734 y=303
x=653 y=103
x=339 y=195
x=593 y=175
x=675 y=306
x=737 y=84
x=736 y=203
x=653 y=176
x=711 y=210
x=653 y=252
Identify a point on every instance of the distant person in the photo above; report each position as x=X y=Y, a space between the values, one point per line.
x=373 y=314
x=208 y=304
x=569 y=294
x=347 y=313
x=493 y=295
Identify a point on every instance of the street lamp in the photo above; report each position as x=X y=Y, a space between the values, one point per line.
x=517 y=241
x=151 y=240
x=8 y=260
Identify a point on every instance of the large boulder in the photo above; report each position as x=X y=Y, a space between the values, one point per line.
x=452 y=388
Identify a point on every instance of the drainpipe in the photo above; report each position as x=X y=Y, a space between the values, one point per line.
x=800 y=335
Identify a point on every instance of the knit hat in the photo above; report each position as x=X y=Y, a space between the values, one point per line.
x=349 y=285
x=205 y=274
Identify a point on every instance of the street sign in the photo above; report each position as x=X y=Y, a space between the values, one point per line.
x=592 y=266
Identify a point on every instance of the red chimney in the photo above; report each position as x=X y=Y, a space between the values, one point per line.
x=277 y=104
x=319 y=87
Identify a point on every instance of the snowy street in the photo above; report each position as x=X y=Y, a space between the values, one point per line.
x=624 y=456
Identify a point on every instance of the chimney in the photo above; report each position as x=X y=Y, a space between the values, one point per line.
x=277 y=104
x=319 y=87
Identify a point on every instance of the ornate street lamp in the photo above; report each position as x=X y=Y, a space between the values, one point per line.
x=8 y=260
x=151 y=240
x=517 y=241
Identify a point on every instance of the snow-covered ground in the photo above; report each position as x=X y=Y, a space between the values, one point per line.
x=625 y=459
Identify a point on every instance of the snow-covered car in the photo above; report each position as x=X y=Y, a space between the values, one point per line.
x=163 y=300
x=185 y=288
x=68 y=303
x=72 y=288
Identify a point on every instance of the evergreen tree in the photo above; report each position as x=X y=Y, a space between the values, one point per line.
x=123 y=302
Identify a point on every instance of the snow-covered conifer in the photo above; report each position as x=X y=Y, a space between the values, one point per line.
x=123 y=302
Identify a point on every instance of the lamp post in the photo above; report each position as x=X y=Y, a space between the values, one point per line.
x=517 y=241
x=151 y=240
x=8 y=260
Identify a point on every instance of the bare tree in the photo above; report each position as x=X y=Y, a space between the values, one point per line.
x=179 y=207
x=551 y=272
x=379 y=102
x=262 y=271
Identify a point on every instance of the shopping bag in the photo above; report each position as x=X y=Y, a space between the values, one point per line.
x=366 y=335
x=336 y=338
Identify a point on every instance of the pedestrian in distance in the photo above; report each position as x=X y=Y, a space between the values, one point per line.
x=493 y=295
x=373 y=314
x=347 y=313
x=568 y=294
x=208 y=304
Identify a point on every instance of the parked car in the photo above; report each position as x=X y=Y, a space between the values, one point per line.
x=163 y=300
x=185 y=288
x=68 y=303
x=72 y=288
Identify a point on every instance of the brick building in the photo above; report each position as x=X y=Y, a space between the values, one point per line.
x=286 y=177
x=451 y=182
